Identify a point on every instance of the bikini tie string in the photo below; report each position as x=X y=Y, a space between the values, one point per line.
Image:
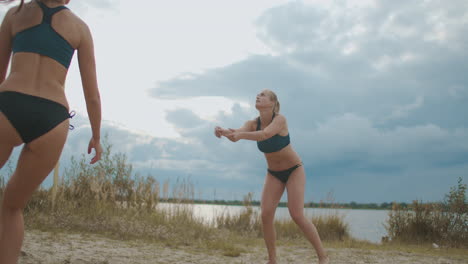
x=72 y=114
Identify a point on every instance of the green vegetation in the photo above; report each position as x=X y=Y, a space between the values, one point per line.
x=443 y=223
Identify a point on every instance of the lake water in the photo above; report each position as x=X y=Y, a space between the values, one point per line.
x=363 y=224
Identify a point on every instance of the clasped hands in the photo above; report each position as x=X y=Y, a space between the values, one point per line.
x=229 y=133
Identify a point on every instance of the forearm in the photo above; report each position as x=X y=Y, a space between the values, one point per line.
x=94 y=112
x=4 y=62
x=254 y=136
x=228 y=131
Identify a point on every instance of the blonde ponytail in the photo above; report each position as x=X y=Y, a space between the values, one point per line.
x=276 y=108
x=274 y=98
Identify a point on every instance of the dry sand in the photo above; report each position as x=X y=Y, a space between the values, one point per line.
x=63 y=248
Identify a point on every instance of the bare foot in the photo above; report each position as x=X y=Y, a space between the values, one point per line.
x=324 y=260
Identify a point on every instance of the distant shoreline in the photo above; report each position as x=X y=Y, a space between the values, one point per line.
x=352 y=205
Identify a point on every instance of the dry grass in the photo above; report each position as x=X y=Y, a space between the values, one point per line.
x=111 y=200
x=330 y=227
x=445 y=224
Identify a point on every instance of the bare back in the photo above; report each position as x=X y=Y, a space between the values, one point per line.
x=32 y=73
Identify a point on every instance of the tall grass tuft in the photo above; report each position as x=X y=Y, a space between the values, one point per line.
x=247 y=222
x=108 y=198
x=330 y=227
x=443 y=223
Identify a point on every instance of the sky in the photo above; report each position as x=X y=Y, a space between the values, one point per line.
x=375 y=92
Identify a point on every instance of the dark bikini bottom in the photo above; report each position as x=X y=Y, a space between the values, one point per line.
x=283 y=175
x=30 y=115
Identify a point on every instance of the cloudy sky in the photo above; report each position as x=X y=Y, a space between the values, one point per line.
x=375 y=92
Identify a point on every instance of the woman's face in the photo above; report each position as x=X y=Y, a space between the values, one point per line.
x=263 y=100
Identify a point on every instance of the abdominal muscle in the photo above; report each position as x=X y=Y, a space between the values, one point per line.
x=283 y=159
x=37 y=75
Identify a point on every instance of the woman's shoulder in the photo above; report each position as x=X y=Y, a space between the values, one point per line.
x=82 y=29
x=250 y=125
x=280 y=117
x=76 y=19
x=283 y=122
x=9 y=19
x=11 y=11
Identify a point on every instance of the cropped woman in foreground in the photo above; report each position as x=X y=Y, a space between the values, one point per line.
x=40 y=37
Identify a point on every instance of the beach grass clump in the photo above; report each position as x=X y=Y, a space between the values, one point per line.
x=331 y=227
x=109 y=199
x=245 y=223
x=444 y=223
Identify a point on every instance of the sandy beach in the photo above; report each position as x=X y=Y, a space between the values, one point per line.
x=47 y=247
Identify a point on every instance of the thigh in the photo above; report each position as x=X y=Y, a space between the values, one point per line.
x=9 y=138
x=36 y=161
x=295 y=187
x=272 y=191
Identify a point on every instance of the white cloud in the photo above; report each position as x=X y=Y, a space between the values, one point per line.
x=363 y=91
x=404 y=110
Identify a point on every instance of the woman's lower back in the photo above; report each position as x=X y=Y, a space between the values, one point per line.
x=36 y=75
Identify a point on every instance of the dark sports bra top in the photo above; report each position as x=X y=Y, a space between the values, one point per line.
x=273 y=144
x=44 y=40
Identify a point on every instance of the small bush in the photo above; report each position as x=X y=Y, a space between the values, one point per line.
x=443 y=223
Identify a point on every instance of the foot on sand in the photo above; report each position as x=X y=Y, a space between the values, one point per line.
x=324 y=260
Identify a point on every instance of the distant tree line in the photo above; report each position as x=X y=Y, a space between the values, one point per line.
x=334 y=205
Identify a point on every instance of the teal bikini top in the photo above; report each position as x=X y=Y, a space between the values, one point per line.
x=273 y=144
x=44 y=40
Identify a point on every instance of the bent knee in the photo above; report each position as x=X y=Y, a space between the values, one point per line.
x=297 y=216
x=268 y=213
x=12 y=200
x=12 y=205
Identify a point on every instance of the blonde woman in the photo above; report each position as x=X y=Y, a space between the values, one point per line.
x=40 y=38
x=285 y=171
